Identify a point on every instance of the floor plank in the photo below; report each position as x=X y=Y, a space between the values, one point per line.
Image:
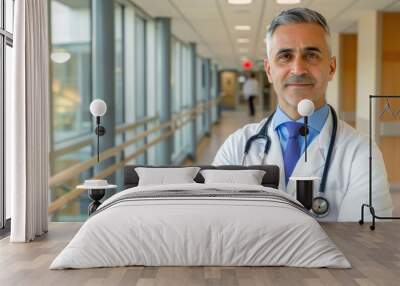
x=375 y=257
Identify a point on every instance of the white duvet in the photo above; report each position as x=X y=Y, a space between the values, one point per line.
x=183 y=231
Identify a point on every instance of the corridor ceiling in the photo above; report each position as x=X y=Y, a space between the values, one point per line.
x=211 y=23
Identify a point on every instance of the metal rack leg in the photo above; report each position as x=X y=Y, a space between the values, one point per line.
x=374 y=216
x=372 y=210
x=361 y=221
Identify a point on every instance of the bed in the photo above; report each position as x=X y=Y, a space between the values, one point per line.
x=201 y=224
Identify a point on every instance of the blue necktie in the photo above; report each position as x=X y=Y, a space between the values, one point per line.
x=292 y=151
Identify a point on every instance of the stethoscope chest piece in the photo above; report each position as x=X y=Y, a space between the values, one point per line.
x=320 y=206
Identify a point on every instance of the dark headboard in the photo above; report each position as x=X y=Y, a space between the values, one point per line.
x=270 y=179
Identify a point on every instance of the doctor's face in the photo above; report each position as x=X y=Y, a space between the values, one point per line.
x=299 y=65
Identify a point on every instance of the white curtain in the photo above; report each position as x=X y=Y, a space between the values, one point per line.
x=27 y=122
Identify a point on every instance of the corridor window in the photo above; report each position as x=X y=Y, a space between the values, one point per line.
x=199 y=95
x=140 y=77
x=71 y=80
x=119 y=63
x=180 y=95
x=214 y=78
x=71 y=69
x=176 y=91
x=119 y=28
x=187 y=94
x=151 y=92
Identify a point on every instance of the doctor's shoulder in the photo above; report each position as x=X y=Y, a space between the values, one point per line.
x=357 y=144
x=244 y=133
x=350 y=137
x=231 y=151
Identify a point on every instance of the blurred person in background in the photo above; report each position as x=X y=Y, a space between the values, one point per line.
x=250 y=92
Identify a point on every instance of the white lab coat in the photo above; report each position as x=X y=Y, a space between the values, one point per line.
x=347 y=182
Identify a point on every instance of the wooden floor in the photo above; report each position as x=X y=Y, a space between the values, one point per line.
x=374 y=255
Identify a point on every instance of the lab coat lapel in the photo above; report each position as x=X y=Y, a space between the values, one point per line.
x=274 y=156
x=316 y=157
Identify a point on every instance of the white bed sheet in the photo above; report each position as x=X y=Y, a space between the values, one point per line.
x=200 y=231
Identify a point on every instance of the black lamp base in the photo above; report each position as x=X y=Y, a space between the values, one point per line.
x=304 y=192
x=95 y=195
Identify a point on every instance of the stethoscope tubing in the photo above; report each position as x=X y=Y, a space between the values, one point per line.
x=263 y=134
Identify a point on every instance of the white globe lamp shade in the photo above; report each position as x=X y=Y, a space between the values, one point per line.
x=305 y=107
x=98 y=107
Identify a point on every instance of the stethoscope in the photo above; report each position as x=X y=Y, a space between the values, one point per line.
x=320 y=205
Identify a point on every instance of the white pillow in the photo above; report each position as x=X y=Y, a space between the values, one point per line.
x=163 y=176
x=249 y=177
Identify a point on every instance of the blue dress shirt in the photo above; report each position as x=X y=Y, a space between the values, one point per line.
x=315 y=124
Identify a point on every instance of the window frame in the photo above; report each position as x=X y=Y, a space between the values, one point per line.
x=6 y=39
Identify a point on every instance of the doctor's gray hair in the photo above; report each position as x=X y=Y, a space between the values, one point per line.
x=297 y=16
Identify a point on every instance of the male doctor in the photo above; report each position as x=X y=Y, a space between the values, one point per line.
x=299 y=64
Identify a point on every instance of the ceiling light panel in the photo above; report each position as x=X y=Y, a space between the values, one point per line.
x=242 y=27
x=243 y=40
x=288 y=2
x=240 y=2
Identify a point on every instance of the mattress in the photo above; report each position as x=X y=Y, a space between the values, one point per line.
x=201 y=225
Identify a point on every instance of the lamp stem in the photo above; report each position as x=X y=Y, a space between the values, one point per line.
x=98 y=138
x=305 y=137
x=98 y=148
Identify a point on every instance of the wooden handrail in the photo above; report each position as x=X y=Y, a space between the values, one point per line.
x=79 y=144
x=131 y=126
x=83 y=166
x=88 y=140
x=175 y=123
x=72 y=195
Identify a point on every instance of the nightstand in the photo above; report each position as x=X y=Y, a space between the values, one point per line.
x=95 y=193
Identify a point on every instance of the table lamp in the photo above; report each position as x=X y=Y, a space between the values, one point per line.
x=97 y=188
x=304 y=185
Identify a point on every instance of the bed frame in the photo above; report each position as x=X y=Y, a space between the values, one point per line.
x=270 y=179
